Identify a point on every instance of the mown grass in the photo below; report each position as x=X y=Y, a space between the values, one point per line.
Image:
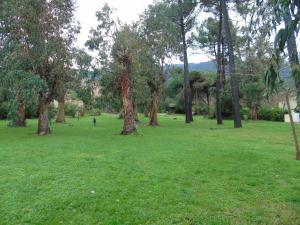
x=172 y=174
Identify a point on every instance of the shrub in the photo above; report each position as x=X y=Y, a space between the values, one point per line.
x=278 y=114
x=52 y=112
x=71 y=109
x=245 y=113
x=94 y=112
x=212 y=113
x=265 y=114
x=275 y=114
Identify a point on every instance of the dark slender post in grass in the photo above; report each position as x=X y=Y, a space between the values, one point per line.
x=293 y=127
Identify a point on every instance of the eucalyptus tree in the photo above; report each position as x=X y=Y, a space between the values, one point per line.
x=125 y=52
x=160 y=42
x=117 y=47
x=42 y=32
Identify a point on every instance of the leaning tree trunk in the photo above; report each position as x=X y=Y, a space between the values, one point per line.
x=296 y=143
x=43 y=122
x=61 y=110
x=233 y=81
x=129 y=115
x=219 y=75
x=21 y=117
x=187 y=88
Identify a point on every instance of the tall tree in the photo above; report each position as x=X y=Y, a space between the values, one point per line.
x=182 y=13
x=44 y=31
x=233 y=80
x=117 y=47
x=160 y=42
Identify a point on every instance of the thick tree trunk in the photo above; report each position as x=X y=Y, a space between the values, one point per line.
x=129 y=115
x=219 y=75
x=43 y=122
x=233 y=81
x=187 y=88
x=61 y=111
x=21 y=117
x=296 y=143
x=154 y=109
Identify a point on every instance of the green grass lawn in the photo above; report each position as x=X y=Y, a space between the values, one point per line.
x=172 y=174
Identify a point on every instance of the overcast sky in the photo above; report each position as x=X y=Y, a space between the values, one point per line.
x=127 y=11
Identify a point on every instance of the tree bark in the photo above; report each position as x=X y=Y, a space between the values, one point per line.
x=296 y=143
x=21 y=117
x=219 y=75
x=254 y=115
x=187 y=88
x=129 y=115
x=233 y=81
x=61 y=111
x=154 y=108
x=43 y=122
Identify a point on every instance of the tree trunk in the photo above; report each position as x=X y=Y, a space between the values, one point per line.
x=219 y=75
x=233 y=81
x=135 y=110
x=129 y=115
x=146 y=110
x=187 y=88
x=61 y=111
x=21 y=118
x=43 y=122
x=154 y=108
x=293 y=127
x=254 y=115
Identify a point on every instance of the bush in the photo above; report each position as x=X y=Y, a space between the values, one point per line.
x=52 y=112
x=245 y=113
x=275 y=114
x=265 y=114
x=278 y=114
x=212 y=113
x=94 y=112
x=71 y=109
x=200 y=109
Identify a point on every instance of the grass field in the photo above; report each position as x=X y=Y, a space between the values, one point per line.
x=172 y=174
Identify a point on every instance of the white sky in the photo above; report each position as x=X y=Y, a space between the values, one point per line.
x=126 y=10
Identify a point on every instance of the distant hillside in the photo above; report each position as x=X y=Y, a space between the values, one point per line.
x=209 y=66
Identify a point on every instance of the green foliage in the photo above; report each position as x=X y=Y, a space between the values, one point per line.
x=52 y=112
x=71 y=109
x=245 y=113
x=94 y=112
x=274 y=114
